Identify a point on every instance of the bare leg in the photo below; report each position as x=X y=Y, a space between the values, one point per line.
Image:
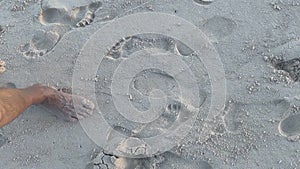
x=12 y=103
x=15 y=101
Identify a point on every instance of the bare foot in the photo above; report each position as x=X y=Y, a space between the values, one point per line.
x=67 y=106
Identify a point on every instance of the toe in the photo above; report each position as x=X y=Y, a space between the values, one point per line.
x=87 y=104
x=80 y=117
x=72 y=119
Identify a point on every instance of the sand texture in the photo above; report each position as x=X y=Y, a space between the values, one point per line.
x=237 y=69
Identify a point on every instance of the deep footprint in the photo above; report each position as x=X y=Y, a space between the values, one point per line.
x=61 y=20
x=290 y=127
x=76 y=17
x=291 y=66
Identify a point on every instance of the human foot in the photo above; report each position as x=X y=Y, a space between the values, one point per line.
x=67 y=106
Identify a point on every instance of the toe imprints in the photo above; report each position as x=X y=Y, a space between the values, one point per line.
x=292 y=67
x=41 y=43
x=88 y=19
x=286 y=62
x=61 y=18
x=75 y=17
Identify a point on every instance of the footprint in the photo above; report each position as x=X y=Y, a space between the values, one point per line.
x=54 y=15
x=176 y=114
x=290 y=127
x=59 y=19
x=151 y=79
x=41 y=43
x=128 y=45
x=140 y=89
x=285 y=58
x=291 y=66
x=76 y=17
x=233 y=116
x=219 y=27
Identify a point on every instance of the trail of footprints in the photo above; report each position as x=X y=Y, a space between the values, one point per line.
x=234 y=117
x=289 y=126
x=148 y=80
x=45 y=40
x=286 y=58
x=141 y=85
x=58 y=21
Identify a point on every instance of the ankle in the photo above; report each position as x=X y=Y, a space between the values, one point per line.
x=39 y=93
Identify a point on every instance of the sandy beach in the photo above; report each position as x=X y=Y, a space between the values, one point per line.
x=190 y=84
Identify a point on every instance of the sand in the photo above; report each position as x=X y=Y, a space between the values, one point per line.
x=236 y=64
